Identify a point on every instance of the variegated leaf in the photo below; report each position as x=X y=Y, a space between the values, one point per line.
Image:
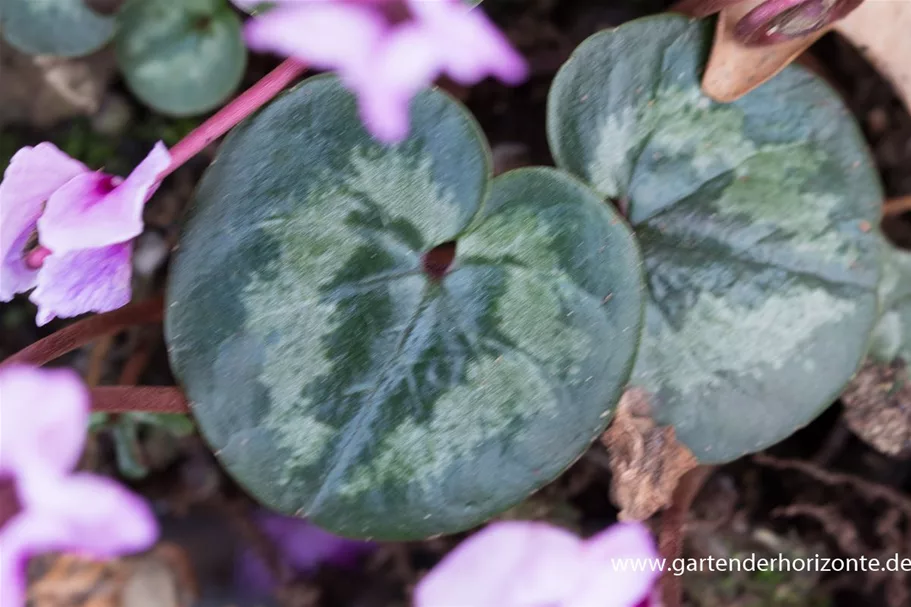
x=336 y=377
x=892 y=335
x=182 y=58
x=756 y=224
x=67 y=28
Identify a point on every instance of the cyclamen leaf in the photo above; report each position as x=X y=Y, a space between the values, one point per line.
x=756 y=224
x=181 y=58
x=335 y=378
x=67 y=28
x=892 y=335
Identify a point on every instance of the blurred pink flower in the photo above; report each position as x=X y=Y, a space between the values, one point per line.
x=85 y=223
x=386 y=51
x=532 y=564
x=303 y=548
x=43 y=506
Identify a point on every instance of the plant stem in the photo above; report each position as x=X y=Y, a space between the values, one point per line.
x=89 y=329
x=897 y=206
x=245 y=104
x=223 y=121
x=672 y=532
x=145 y=399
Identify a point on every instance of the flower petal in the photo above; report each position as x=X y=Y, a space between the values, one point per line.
x=82 y=512
x=34 y=173
x=384 y=113
x=94 y=280
x=402 y=65
x=89 y=212
x=471 y=47
x=301 y=544
x=327 y=35
x=600 y=585
x=508 y=564
x=45 y=415
x=12 y=565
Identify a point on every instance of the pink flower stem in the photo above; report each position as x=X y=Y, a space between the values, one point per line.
x=87 y=330
x=227 y=117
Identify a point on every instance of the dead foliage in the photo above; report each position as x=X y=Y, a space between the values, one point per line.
x=646 y=460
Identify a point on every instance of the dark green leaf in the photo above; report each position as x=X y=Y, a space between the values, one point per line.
x=754 y=219
x=181 y=58
x=174 y=424
x=98 y=421
x=127 y=449
x=67 y=28
x=338 y=380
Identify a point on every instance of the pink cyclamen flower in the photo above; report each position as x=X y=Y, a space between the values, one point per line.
x=386 y=51
x=85 y=221
x=44 y=507
x=532 y=564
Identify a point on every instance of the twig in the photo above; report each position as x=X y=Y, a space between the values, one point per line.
x=671 y=534
x=834 y=443
x=146 y=399
x=840 y=530
x=99 y=354
x=227 y=117
x=867 y=488
x=136 y=364
x=84 y=331
x=897 y=206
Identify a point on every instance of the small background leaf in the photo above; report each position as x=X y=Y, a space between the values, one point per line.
x=335 y=378
x=755 y=220
x=892 y=335
x=67 y=28
x=143 y=441
x=181 y=58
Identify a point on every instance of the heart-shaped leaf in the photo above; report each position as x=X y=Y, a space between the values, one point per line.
x=67 y=28
x=181 y=58
x=892 y=335
x=754 y=220
x=346 y=368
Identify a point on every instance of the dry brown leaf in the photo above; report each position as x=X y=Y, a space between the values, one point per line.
x=160 y=578
x=735 y=69
x=881 y=31
x=878 y=407
x=646 y=460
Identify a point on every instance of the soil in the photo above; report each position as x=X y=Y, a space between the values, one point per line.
x=821 y=492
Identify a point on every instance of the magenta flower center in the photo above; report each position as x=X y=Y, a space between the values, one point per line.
x=34 y=258
x=33 y=254
x=9 y=500
x=395 y=11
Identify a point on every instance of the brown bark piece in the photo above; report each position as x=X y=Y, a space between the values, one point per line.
x=160 y=578
x=878 y=407
x=646 y=460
